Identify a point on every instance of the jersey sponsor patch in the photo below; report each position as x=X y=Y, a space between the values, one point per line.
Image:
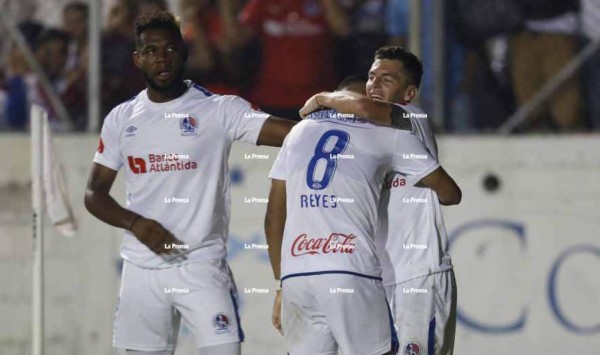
x=335 y=243
x=158 y=163
x=100 y=146
x=412 y=348
x=221 y=323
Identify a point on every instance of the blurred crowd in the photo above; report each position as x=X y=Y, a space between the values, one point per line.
x=277 y=53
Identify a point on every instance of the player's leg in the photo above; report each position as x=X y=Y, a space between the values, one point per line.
x=209 y=305
x=351 y=302
x=145 y=319
x=305 y=329
x=223 y=349
x=425 y=314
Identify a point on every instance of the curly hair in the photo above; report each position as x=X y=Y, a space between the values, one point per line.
x=153 y=20
x=413 y=66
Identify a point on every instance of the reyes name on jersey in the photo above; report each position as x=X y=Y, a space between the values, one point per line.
x=334 y=168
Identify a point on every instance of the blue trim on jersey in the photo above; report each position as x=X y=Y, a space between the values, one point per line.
x=203 y=90
x=395 y=341
x=331 y=272
x=237 y=316
x=431 y=338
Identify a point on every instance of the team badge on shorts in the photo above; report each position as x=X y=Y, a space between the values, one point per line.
x=221 y=323
x=189 y=126
x=412 y=349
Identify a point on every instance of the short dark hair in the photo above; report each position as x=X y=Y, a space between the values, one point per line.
x=154 y=20
x=49 y=35
x=356 y=79
x=77 y=6
x=413 y=66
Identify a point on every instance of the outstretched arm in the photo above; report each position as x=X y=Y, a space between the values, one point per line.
x=383 y=113
x=274 y=130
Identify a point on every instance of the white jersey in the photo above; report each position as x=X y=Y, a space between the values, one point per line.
x=175 y=156
x=411 y=238
x=334 y=169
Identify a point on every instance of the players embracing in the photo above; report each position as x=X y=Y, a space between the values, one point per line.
x=410 y=241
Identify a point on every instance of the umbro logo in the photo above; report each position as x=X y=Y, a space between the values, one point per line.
x=130 y=131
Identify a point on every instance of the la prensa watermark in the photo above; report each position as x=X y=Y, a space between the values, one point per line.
x=255 y=200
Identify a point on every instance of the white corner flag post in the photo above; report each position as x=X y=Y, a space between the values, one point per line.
x=39 y=122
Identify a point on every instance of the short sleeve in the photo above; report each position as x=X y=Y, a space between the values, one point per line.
x=278 y=171
x=108 y=152
x=242 y=121
x=252 y=14
x=411 y=158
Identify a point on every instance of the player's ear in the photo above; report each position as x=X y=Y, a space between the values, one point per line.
x=410 y=93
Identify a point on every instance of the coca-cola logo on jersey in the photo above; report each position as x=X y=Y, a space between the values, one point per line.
x=335 y=243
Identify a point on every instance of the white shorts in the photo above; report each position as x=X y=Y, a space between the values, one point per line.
x=152 y=301
x=424 y=311
x=324 y=312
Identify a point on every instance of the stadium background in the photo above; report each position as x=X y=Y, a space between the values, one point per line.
x=524 y=243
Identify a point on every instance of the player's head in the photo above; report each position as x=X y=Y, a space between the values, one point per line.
x=355 y=83
x=395 y=75
x=160 y=51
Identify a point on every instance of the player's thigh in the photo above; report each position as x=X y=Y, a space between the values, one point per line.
x=357 y=313
x=209 y=303
x=305 y=329
x=425 y=314
x=145 y=319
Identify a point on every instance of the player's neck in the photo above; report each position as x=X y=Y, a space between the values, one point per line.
x=167 y=94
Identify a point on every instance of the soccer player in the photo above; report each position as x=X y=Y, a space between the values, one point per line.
x=411 y=237
x=174 y=139
x=320 y=225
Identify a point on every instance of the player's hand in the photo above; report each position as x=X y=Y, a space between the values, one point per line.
x=153 y=235
x=276 y=317
x=310 y=105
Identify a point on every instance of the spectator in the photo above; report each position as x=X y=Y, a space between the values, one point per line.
x=75 y=21
x=120 y=77
x=590 y=18
x=537 y=53
x=24 y=87
x=297 y=61
x=215 y=59
x=14 y=112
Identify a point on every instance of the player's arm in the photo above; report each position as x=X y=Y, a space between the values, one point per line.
x=274 y=227
x=275 y=223
x=446 y=188
x=383 y=113
x=274 y=131
x=103 y=206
